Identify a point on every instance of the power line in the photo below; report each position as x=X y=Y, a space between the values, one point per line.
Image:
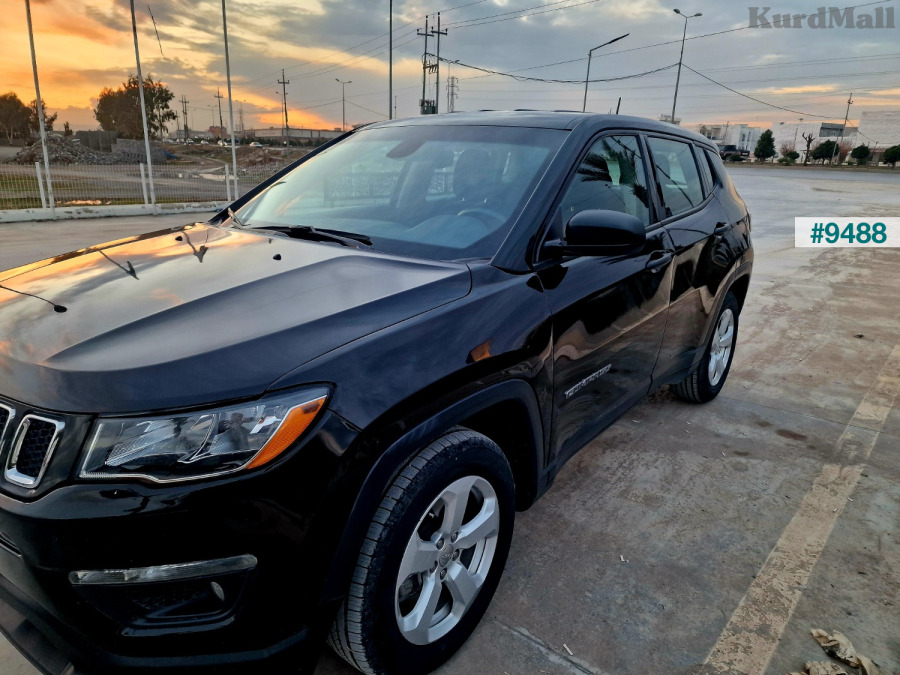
x=771 y=105
x=482 y=20
x=525 y=78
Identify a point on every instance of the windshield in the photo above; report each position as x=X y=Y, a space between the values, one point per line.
x=438 y=192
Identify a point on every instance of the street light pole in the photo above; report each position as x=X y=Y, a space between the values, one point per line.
x=390 y=58
x=587 y=77
x=140 y=77
x=39 y=105
x=234 y=171
x=681 y=57
x=343 y=103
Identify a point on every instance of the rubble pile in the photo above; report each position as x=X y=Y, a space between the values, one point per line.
x=63 y=151
x=263 y=156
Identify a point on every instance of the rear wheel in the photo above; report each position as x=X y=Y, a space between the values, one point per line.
x=706 y=380
x=432 y=558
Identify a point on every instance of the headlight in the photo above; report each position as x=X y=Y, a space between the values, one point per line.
x=200 y=444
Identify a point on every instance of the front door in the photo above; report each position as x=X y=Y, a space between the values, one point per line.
x=609 y=312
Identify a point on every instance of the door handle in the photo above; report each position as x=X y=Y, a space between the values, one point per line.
x=721 y=228
x=658 y=260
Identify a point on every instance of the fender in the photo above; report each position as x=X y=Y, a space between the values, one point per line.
x=402 y=450
x=743 y=270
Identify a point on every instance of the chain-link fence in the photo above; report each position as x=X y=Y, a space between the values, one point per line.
x=27 y=187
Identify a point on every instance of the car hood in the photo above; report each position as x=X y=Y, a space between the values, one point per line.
x=196 y=315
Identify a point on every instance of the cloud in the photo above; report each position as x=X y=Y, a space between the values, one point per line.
x=800 y=89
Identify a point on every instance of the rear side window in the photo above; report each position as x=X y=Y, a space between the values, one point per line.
x=677 y=177
x=610 y=177
x=718 y=169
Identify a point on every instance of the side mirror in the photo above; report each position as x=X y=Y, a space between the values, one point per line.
x=600 y=232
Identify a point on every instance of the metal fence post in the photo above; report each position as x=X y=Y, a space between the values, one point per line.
x=37 y=168
x=227 y=186
x=143 y=183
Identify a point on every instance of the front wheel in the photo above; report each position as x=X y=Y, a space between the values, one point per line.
x=706 y=380
x=432 y=559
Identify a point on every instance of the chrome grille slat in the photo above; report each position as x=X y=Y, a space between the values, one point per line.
x=32 y=446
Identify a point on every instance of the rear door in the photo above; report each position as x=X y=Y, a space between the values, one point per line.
x=609 y=312
x=694 y=220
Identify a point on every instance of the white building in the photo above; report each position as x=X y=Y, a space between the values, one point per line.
x=741 y=136
x=881 y=127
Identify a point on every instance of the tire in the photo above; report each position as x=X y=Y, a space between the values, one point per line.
x=413 y=624
x=705 y=382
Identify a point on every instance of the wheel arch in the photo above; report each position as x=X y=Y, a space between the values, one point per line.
x=506 y=412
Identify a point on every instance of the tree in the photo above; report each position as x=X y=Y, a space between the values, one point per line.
x=861 y=154
x=120 y=109
x=765 y=146
x=787 y=147
x=33 y=123
x=892 y=155
x=824 y=151
x=809 y=138
x=67 y=130
x=13 y=116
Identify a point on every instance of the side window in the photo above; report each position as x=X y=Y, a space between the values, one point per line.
x=715 y=162
x=680 y=187
x=705 y=170
x=611 y=177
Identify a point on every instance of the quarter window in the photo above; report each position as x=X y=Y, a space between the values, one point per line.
x=706 y=171
x=680 y=187
x=610 y=177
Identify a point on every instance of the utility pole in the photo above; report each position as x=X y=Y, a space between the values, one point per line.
x=395 y=105
x=284 y=83
x=343 y=103
x=187 y=131
x=40 y=110
x=452 y=93
x=681 y=57
x=437 y=64
x=221 y=123
x=241 y=116
x=424 y=106
x=843 y=129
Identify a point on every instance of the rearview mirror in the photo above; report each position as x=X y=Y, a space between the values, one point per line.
x=600 y=232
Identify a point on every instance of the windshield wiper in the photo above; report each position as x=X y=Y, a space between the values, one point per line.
x=315 y=234
x=235 y=219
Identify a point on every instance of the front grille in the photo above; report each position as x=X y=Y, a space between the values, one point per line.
x=35 y=440
x=32 y=449
x=4 y=418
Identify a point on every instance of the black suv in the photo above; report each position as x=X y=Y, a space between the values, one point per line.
x=314 y=417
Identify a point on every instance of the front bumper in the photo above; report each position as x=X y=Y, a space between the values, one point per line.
x=287 y=518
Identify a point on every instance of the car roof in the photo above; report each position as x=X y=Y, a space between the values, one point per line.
x=544 y=119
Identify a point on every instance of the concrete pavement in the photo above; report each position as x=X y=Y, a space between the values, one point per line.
x=742 y=523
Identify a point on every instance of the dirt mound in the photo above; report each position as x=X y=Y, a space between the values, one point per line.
x=64 y=151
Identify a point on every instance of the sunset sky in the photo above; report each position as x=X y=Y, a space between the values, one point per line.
x=85 y=46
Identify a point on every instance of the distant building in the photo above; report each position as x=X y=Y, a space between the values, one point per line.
x=790 y=134
x=880 y=130
x=740 y=137
x=277 y=133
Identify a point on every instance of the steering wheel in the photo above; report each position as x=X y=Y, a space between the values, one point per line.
x=489 y=217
